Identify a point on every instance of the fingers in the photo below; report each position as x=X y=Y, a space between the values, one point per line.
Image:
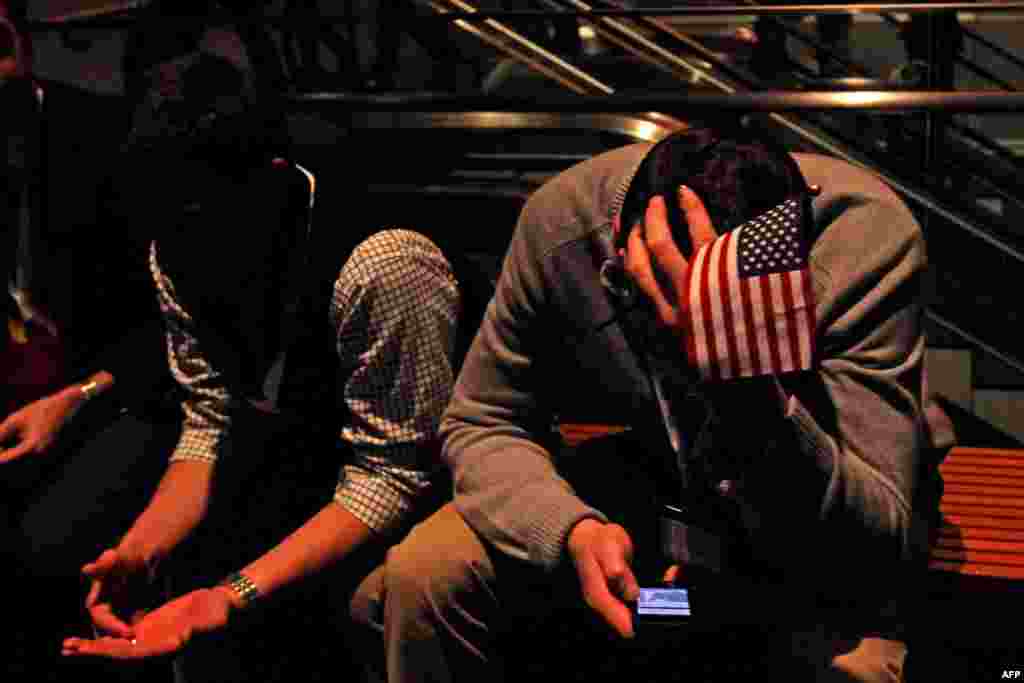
x=102 y=565
x=659 y=241
x=623 y=584
x=606 y=578
x=94 y=593
x=114 y=648
x=596 y=593
x=101 y=612
x=615 y=556
x=638 y=265
x=103 y=616
x=653 y=258
x=8 y=429
x=701 y=229
x=671 y=576
x=12 y=454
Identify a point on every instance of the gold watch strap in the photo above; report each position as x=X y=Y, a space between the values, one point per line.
x=243 y=586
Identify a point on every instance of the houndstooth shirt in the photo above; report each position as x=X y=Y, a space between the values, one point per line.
x=394 y=313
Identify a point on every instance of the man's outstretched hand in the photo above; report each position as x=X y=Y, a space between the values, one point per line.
x=118 y=577
x=34 y=428
x=163 y=631
x=602 y=554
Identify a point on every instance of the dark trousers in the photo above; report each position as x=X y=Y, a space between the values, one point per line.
x=60 y=511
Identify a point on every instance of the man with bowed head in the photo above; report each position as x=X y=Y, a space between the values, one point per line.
x=362 y=347
x=783 y=393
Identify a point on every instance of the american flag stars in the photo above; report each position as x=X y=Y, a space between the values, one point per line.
x=770 y=243
x=751 y=305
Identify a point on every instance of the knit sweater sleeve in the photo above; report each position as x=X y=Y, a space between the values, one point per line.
x=506 y=485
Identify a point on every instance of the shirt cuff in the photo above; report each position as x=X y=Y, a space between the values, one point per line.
x=197 y=444
x=372 y=501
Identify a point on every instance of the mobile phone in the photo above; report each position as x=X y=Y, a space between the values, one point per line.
x=663 y=605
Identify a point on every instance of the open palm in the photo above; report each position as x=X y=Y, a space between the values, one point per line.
x=163 y=631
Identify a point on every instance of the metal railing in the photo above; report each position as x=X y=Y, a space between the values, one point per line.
x=126 y=17
x=601 y=105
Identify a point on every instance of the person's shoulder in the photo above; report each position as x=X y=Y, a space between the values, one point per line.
x=831 y=174
x=387 y=253
x=582 y=198
x=855 y=206
x=864 y=232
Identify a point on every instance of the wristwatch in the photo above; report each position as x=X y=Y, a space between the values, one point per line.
x=243 y=587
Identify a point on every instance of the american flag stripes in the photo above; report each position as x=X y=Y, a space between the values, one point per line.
x=750 y=301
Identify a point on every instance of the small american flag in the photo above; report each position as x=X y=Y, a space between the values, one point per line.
x=751 y=305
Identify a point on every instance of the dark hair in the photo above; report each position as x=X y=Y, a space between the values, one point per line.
x=219 y=119
x=737 y=175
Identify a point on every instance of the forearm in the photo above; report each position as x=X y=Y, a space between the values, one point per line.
x=330 y=535
x=506 y=486
x=176 y=508
x=494 y=429
x=508 y=490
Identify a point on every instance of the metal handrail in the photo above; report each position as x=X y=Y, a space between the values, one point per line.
x=520 y=47
x=989 y=144
x=994 y=47
x=645 y=127
x=539 y=59
x=972 y=339
x=125 y=17
x=737 y=102
x=882 y=101
x=632 y=40
x=817 y=45
x=970 y=65
x=985 y=73
x=690 y=45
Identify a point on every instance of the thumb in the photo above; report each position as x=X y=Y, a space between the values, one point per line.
x=8 y=428
x=15 y=453
x=102 y=565
x=624 y=585
x=630 y=587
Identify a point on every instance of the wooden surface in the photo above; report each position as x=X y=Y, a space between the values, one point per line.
x=983 y=514
x=982 y=507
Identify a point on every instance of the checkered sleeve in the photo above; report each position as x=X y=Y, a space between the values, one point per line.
x=395 y=308
x=205 y=406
